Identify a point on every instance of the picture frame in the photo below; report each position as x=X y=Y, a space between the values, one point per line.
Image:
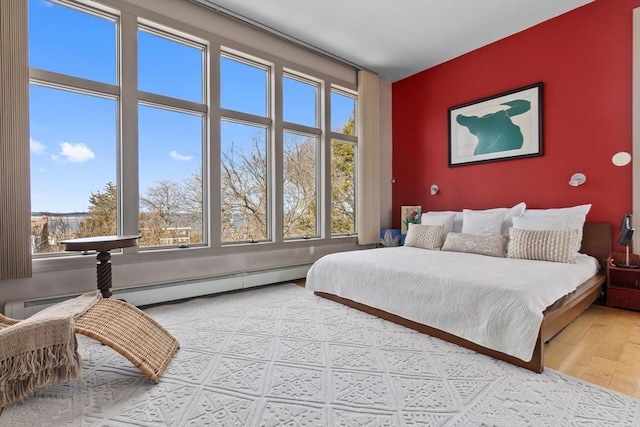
x=505 y=126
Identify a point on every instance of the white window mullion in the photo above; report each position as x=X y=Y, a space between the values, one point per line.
x=245 y=117
x=77 y=84
x=325 y=162
x=343 y=137
x=276 y=152
x=213 y=122
x=155 y=100
x=128 y=143
x=302 y=129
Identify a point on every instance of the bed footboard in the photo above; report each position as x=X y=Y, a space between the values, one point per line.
x=535 y=364
x=556 y=318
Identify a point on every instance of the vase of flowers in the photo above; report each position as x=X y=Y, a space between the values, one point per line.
x=410 y=215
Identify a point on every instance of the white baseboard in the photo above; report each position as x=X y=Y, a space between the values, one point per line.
x=154 y=294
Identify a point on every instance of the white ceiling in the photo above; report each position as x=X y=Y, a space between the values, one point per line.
x=397 y=38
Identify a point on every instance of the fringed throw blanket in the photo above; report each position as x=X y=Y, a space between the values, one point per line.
x=41 y=350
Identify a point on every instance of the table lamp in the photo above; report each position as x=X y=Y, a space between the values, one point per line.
x=626 y=234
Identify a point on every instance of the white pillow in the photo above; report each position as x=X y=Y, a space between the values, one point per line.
x=457 y=220
x=540 y=222
x=514 y=211
x=509 y=214
x=483 y=223
x=439 y=218
x=517 y=210
x=575 y=215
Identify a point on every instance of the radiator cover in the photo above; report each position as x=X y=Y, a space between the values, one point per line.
x=159 y=293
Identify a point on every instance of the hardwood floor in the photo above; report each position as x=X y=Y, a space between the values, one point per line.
x=601 y=346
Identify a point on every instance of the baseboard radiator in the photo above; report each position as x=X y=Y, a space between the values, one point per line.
x=166 y=292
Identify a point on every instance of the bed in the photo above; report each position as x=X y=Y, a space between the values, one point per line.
x=490 y=318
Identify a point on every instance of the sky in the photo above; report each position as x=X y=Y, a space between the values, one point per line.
x=73 y=136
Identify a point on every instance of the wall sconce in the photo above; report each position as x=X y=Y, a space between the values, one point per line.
x=434 y=189
x=621 y=158
x=577 y=179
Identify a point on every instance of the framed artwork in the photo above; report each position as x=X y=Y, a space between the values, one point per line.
x=501 y=127
x=409 y=215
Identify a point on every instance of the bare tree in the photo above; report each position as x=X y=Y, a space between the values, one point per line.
x=165 y=218
x=169 y=210
x=299 y=182
x=244 y=202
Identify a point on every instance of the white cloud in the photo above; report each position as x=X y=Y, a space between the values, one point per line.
x=36 y=147
x=177 y=156
x=74 y=153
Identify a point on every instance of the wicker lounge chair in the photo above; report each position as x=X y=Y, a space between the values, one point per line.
x=129 y=331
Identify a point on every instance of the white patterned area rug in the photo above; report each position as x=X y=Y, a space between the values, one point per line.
x=280 y=356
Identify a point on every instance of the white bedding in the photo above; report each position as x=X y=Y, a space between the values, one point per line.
x=494 y=302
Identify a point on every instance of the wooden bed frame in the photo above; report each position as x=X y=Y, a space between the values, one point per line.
x=596 y=242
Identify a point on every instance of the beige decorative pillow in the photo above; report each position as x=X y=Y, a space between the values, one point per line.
x=425 y=236
x=543 y=245
x=475 y=244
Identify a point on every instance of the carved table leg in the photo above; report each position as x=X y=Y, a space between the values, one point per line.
x=103 y=268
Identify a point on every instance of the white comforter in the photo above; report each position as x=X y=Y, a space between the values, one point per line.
x=494 y=302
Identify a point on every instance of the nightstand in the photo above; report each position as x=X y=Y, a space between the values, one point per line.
x=623 y=284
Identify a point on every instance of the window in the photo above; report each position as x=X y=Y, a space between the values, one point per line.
x=245 y=183
x=73 y=127
x=343 y=192
x=245 y=167
x=121 y=138
x=343 y=113
x=243 y=86
x=300 y=149
x=300 y=197
x=55 y=43
x=343 y=163
x=171 y=140
x=181 y=63
x=300 y=101
x=170 y=170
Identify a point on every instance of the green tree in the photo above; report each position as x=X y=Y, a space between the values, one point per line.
x=343 y=179
x=103 y=213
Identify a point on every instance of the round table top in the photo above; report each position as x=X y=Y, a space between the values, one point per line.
x=100 y=243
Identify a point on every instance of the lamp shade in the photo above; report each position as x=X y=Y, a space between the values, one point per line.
x=625 y=237
x=626 y=234
x=626 y=230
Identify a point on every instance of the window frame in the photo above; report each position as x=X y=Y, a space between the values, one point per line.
x=318 y=133
x=169 y=103
x=88 y=87
x=352 y=140
x=249 y=119
x=130 y=18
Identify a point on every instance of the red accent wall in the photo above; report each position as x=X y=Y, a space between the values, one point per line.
x=584 y=60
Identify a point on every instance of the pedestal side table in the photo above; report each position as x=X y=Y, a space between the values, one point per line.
x=102 y=244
